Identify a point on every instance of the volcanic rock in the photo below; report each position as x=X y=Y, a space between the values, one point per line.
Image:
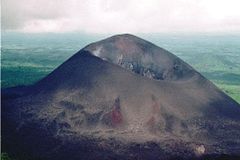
x=121 y=98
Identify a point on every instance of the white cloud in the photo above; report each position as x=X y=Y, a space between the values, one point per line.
x=104 y=16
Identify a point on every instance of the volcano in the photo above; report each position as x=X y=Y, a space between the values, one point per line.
x=121 y=98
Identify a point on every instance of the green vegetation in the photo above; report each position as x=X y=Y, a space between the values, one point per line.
x=4 y=156
x=232 y=90
x=22 y=75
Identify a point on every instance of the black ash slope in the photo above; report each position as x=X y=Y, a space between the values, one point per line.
x=121 y=98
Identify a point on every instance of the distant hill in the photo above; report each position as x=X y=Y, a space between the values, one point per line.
x=121 y=98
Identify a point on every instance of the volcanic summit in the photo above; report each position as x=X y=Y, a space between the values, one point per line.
x=121 y=98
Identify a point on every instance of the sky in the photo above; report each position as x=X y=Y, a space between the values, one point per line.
x=120 y=16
